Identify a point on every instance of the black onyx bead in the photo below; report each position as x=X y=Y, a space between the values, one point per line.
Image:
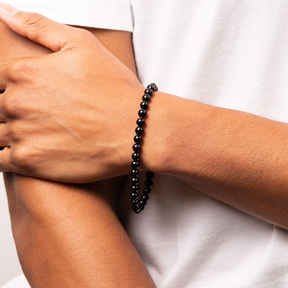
x=137 y=209
x=135 y=156
x=152 y=86
x=150 y=175
x=144 y=105
x=142 y=202
x=149 y=183
x=140 y=122
x=134 y=181
x=134 y=172
x=149 y=91
x=142 y=113
x=135 y=165
x=145 y=197
x=147 y=190
x=136 y=147
x=137 y=139
x=139 y=130
x=135 y=188
x=146 y=98
x=141 y=207
x=135 y=202
x=134 y=195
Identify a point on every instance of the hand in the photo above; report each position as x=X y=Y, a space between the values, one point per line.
x=68 y=116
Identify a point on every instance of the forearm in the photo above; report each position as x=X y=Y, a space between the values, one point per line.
x=68 y=236
x=235 y=157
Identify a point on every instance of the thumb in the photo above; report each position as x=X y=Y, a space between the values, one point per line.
x=36 y=27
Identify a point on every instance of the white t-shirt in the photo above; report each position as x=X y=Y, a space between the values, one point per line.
x=231 y=54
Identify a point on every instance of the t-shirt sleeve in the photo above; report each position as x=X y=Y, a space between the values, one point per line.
x=106 y=14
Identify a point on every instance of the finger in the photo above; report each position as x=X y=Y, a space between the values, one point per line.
x=4 y=138
x=3 y=78
x=35 y=27
x=5 y=160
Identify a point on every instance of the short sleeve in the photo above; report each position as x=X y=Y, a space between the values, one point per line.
x=106 y=14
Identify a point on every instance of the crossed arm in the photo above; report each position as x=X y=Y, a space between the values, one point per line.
x=68 y=235
x=235 y=157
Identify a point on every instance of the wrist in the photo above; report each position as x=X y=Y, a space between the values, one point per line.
x=175 y=135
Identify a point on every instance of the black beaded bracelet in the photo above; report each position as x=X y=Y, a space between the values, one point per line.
x=139 y=204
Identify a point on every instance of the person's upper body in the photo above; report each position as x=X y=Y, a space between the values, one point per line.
x=222 y=53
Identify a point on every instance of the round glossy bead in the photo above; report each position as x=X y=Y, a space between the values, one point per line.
x=137 y=139
x=149 y=91
x=134 y=195
x=135 y=202
x=153 y=86
x=146 y=97
x=147 y=190
x=135 y=188
x=145 y=197
x=135 y=165
x=138 y=205
x=142 y=113
x=150 y=175
x=136 y=147
x=140 y=122
x=142 y=202
x=134 y=172
x=135 y=156
x=137 y=209
x=139 y=130
x=144 y=105
x=149 y=183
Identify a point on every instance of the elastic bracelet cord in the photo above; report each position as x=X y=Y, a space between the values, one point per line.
x=139 y=204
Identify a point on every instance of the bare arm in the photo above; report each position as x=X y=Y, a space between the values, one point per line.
x=235 y=157
x=69 y=236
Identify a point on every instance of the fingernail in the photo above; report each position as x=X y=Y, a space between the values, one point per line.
x=7 y=9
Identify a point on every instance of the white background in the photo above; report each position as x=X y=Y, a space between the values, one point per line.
x=9 y=265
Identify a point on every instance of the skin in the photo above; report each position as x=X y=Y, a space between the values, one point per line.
x=74 y=234
x=251 y=175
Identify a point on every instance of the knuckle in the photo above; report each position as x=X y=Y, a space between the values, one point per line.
x=82 y=35
x=15 y=131
x=32 y=19
x=11 y=105
x=17 y=70
x=19 y=157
